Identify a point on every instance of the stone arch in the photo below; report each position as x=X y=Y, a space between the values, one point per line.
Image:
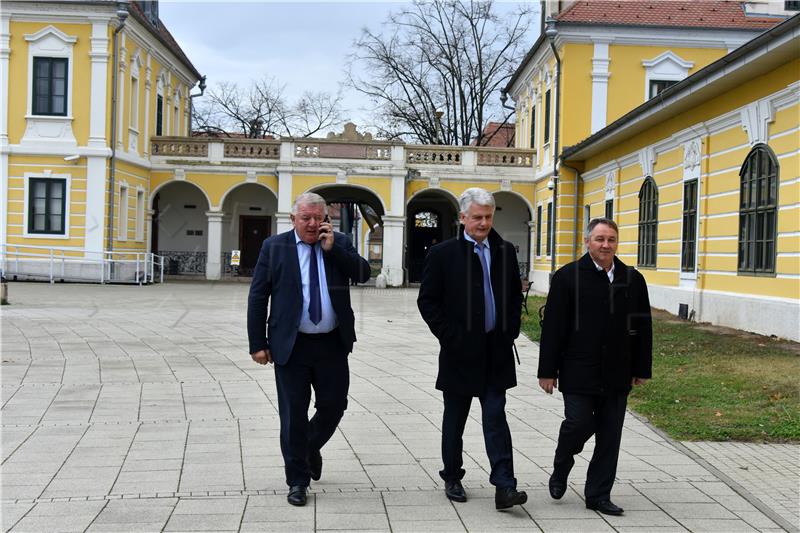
x=512 y=220
x=158 y=188
x=180 y=226
x=332 y=191
x=366 y=234
x=237 y=185
x=250 y=210
x=431 y=217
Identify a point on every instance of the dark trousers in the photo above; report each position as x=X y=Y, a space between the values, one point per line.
x=496 y=436
x=317 y=361
x=586 y=415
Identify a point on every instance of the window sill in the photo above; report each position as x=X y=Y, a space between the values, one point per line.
x=59 y=118
x=60 y=236
x=752 y=274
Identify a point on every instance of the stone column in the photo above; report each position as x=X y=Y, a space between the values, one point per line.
x=214 y=254
x=5 y=82
x=285 y=200
x=393 y=245
x=531 y=247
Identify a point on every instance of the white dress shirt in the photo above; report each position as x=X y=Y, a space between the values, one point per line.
x=329 y=320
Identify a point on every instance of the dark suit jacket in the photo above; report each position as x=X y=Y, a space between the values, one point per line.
x=451 y=303
x=277 y=275
x=596 y=335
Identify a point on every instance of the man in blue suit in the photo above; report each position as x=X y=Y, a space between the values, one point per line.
x=309 y=332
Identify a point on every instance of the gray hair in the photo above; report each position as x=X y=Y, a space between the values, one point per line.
x=475 y=195
x=308 y=198
x=596 y=222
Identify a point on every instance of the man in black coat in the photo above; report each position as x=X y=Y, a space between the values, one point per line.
x=471 y=297
x=596 y=344
x=309 y=332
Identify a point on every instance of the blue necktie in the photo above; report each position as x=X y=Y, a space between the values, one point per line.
x=315 y=300
x=488 y=301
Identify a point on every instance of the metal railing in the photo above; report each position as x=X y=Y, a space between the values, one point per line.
x=49 y=263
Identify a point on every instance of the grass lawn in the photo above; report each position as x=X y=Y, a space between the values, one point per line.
x=713 y=383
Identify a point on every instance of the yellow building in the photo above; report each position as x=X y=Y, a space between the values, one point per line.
x=657 y=114
x=57 y=106
x=687 y=136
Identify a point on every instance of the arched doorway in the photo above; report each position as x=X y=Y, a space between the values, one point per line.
x=432 y=218
x=357 y=212
x=512 y=218
x=249 y=219
x=180 y=224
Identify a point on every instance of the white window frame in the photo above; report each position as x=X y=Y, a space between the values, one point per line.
x=52 y=43
x=666 y=66
x=26 y=199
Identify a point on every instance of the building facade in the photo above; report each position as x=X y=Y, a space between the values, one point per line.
x=679 y=121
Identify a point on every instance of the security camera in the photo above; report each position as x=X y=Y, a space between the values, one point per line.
x=72 y=157
x=551 y=184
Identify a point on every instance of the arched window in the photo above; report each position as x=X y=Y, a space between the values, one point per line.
x=648 y=223
x=758 y=211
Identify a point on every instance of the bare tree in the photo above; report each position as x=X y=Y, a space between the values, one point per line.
x=312 y=113
x=435 y=75
x=261 y=110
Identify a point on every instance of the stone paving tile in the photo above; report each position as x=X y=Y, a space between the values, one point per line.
x=575 y=525
x=154 y=411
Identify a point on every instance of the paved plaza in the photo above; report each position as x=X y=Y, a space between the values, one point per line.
x=139 y=409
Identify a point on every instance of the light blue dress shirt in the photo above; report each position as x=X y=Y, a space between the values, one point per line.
x=329 y=320
x=487 y=254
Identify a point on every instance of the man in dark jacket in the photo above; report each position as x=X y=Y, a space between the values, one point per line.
x=309 y=332
x=471 y=298
x=596 y=344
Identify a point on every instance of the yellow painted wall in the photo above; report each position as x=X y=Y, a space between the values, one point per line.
x=626 y=85
x=19 y=90
x=576 y=93
x=17 y=168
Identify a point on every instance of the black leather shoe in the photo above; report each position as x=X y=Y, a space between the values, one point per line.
x=557 y=486
x=315 y=464
x=297 y=495
x=605 y=507
x=455 y=491
x=509 y=497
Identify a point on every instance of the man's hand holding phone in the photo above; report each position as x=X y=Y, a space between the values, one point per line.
x=326 y=234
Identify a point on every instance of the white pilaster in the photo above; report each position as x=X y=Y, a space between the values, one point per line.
x=214 y=256
x=96 y=184
x=600 y=75
x=285 y=201
x=5 y=53
x=99 y=59
x=148 y=229
x=121 y=90
x=148 y=84
x=393 y=229
x=531 y=247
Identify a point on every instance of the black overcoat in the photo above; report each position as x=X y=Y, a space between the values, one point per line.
x=596 y=335
x=451 y=303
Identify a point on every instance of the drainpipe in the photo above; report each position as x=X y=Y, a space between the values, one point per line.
x=503 y=99
x=122 y=15
x=202 y=87
x=551 y=32
x=578 y=180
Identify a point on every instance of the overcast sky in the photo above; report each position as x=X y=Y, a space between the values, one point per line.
x=302 y=44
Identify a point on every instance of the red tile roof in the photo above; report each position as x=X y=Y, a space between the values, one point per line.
x=164 y=35
x=502 y=135
x=695 y=13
